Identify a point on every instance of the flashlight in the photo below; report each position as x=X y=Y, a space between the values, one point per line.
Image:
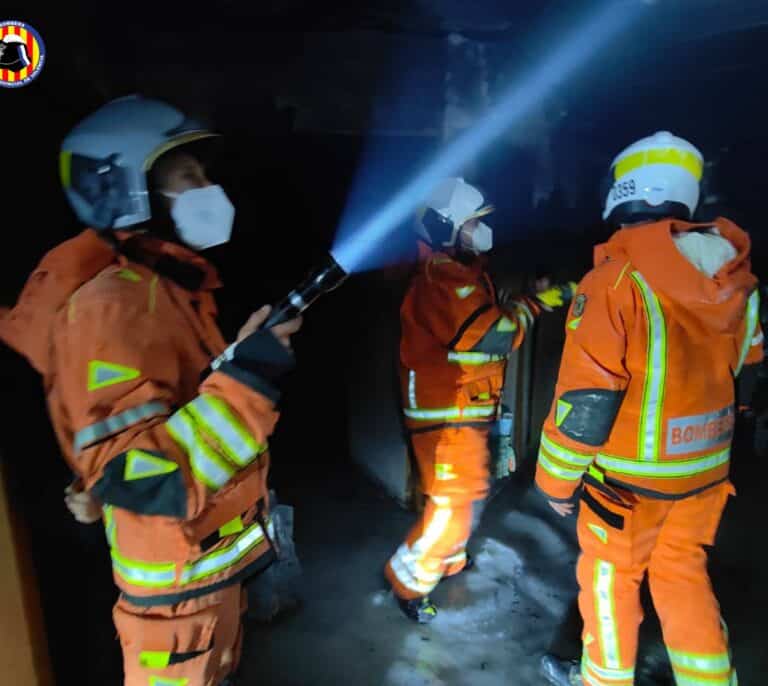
x=326 y=278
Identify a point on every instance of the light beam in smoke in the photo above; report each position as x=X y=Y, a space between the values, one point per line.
x=355 y=244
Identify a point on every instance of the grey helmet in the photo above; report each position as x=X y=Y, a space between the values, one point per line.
x=104 y=160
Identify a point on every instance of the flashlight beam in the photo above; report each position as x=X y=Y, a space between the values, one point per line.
x=572 y=52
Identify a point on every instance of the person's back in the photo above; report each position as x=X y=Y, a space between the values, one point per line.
x=456 y=337
x=644 y=415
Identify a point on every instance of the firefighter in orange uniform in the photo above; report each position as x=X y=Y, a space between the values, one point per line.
x=455 y=340
x=120 y=322
x=643 y=416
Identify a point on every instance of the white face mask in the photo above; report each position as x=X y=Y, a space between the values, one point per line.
x=203 y=216
x=478 y=238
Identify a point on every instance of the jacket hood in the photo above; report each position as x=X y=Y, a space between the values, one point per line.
x=27 y=326
x=715 y=303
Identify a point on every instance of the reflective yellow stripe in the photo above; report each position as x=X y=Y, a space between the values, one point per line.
x=664 y=470
x=605 y=610
x=145 y=574
x=688 y=680
x=215 y=417
x=608 y=674
x=65 y=168
x=753 y=309
x=710 y=664
x=163 y=574
x=678 y=158
x=449 y=413
x=165 y=681
x=207 y=466
x=225 y=557
x=649 y=438
x=564 y=454
x=474 y=358
x=557 y=471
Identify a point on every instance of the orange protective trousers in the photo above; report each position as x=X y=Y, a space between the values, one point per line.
x=453 y=463
x=625 y=535
x=204 y=636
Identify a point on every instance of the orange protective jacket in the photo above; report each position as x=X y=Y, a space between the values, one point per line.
x=455 y=340
x=180 y=464
x=645 y=395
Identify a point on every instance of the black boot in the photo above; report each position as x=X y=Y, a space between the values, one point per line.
x=561 y=672
x=421 y=610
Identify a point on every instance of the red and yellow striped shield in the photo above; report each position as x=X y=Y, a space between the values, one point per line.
x=23 y=54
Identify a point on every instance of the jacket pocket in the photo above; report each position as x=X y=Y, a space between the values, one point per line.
x=605 y=527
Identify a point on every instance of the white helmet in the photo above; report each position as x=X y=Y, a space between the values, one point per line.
x=655 y=177
x=104 y=160
x=451 y=205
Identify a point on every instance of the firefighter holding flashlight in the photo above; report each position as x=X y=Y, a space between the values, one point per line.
x=120 y=322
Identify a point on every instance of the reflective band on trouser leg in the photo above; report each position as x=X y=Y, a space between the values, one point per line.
x=215 y=417
x=696 y=669
x=686 y=680
x=406 y=570
x=649 y=439
x=207 y=466
x=112 y=425
x=408 y=562
x=669 y=469
x=470 y=358
x=594 y=674
x=605 y=609
x=446 y=413
x=753 y=309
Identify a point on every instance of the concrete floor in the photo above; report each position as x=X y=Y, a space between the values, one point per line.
x=496 y=620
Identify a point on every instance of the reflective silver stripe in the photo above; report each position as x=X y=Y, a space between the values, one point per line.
x=606 y=613
x=687 y=680
x=662 y=470
x=474 y=358
x=163 y=574
x=206 y=465
x=562 y=453
x=145 y=574
x=753 y=309
x=412 y=388
x=450 y=413
x=609 y=674
x=709 y=664
x=558 y=471
x=649 y=440
x=217 y=420
x=453 y=559
x=407 y=579
x=226 y=557
x=119 y=422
